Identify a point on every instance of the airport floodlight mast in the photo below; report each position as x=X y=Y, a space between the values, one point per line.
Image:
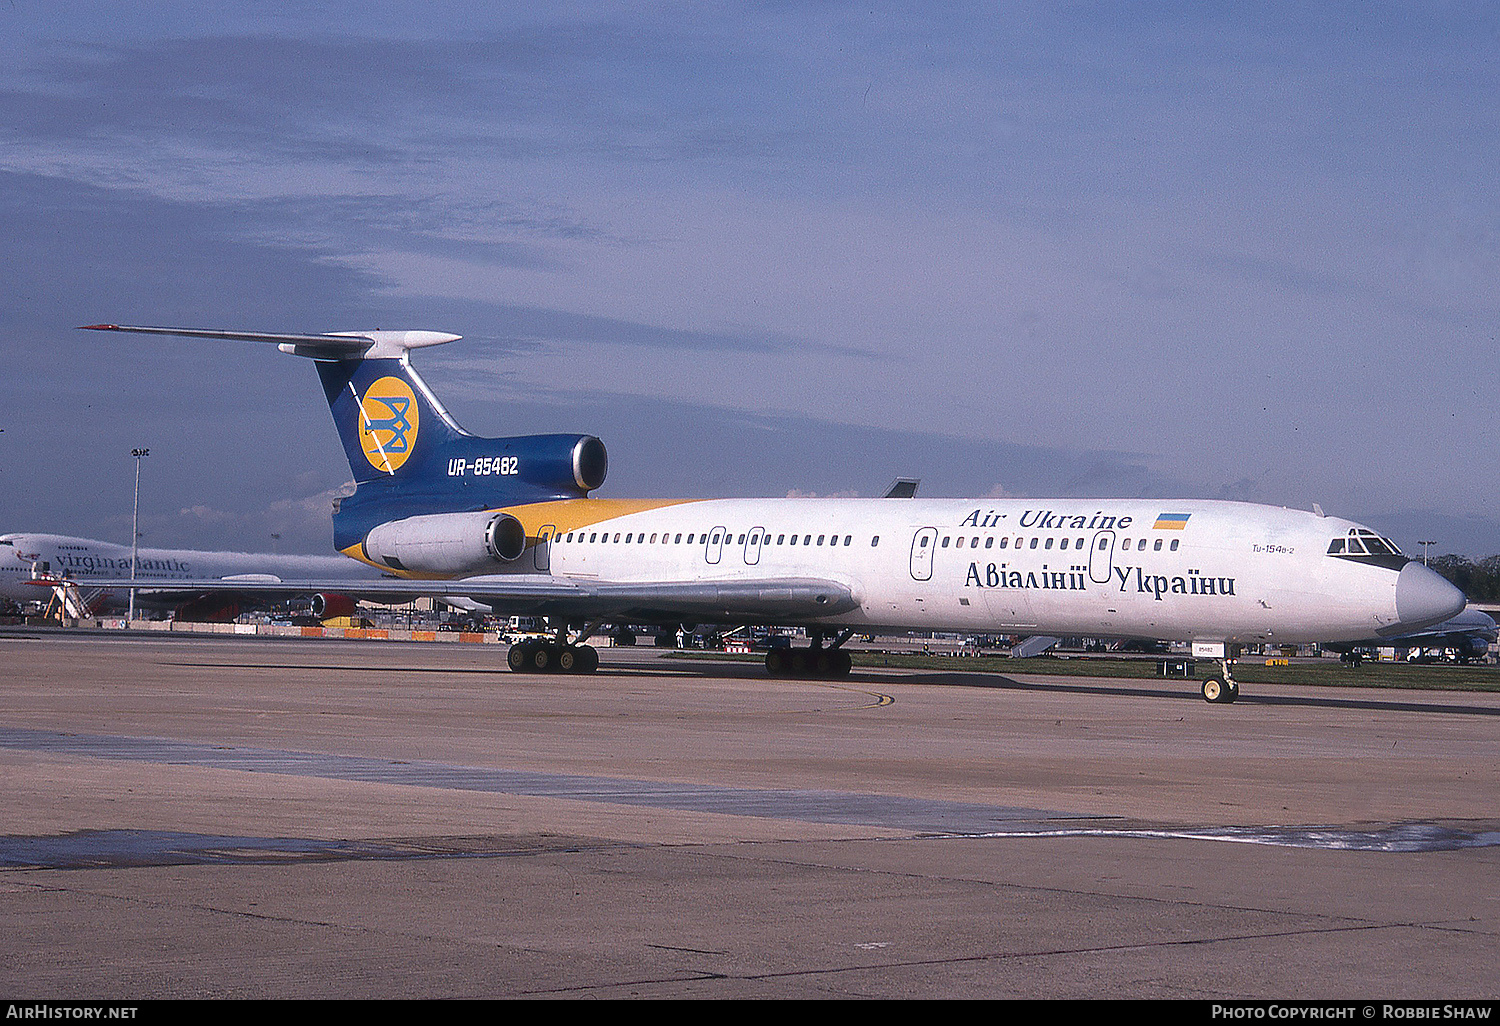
x=135 y=530
x=1425 y=546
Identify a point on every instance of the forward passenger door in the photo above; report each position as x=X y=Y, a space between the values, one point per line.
x=922 y=545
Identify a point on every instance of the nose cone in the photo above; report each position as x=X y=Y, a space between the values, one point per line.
x=1424 y=597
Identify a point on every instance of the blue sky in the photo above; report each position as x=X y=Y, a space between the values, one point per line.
x=1243 y=251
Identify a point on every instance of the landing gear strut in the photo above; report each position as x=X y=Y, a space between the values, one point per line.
x=815 y=661
x=1222 y=689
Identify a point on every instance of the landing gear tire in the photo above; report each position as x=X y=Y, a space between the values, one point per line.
x=815 y=664
x=546 y=657
x=777 y=662
x=1220 y=691
x=587 y=659
x=834 y=663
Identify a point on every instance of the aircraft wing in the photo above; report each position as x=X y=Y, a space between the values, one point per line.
x=787 y=600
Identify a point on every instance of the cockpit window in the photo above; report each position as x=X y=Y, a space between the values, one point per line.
x=1362 y=542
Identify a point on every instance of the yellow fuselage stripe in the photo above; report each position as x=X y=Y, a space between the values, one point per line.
x=562 y=514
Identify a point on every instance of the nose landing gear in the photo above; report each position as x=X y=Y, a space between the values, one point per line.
x=1222 y=689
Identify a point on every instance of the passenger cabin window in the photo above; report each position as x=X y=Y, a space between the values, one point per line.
x=1175 y=542
x=874 y=541
x=1157 y=546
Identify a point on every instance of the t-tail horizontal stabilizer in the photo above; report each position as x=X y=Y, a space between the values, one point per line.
x=335 y=345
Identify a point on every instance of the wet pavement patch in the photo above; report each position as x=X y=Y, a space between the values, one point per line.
x=899 y=812
x=913 y=816
x=114 y=849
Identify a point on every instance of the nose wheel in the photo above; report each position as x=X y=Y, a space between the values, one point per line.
x=1221 y=690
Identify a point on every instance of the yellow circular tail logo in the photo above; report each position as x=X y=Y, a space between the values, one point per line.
x=388 y=424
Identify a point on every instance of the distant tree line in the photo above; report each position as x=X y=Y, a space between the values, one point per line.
x=1480 y=581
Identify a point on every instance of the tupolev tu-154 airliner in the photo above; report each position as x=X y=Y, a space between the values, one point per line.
x=509 y=523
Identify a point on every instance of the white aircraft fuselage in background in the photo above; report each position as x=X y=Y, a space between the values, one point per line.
x=161 y=573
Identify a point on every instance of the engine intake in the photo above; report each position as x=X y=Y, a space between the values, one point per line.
x=447 y=543
x=505 y=538
x=327 y=605
x=590 y=463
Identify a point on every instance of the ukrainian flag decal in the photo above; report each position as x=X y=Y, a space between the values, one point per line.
x=1171 y=521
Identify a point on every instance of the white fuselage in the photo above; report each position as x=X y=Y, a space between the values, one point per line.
x=84 y=559
x=1183 y=570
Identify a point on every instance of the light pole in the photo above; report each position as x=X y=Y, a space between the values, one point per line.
x=135 y=532
x=1425 y=545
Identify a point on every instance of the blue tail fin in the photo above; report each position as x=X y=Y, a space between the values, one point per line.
x=407 y=454
x=391 y=425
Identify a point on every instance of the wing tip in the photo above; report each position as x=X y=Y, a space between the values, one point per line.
x=98 y=327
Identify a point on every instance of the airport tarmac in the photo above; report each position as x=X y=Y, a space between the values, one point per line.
x=212 y=816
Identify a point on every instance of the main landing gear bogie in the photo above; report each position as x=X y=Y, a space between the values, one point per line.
x=820 y=663
x=551 y=657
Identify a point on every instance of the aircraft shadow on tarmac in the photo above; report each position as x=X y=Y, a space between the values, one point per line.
x=989 y=681
x=1001 y=682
